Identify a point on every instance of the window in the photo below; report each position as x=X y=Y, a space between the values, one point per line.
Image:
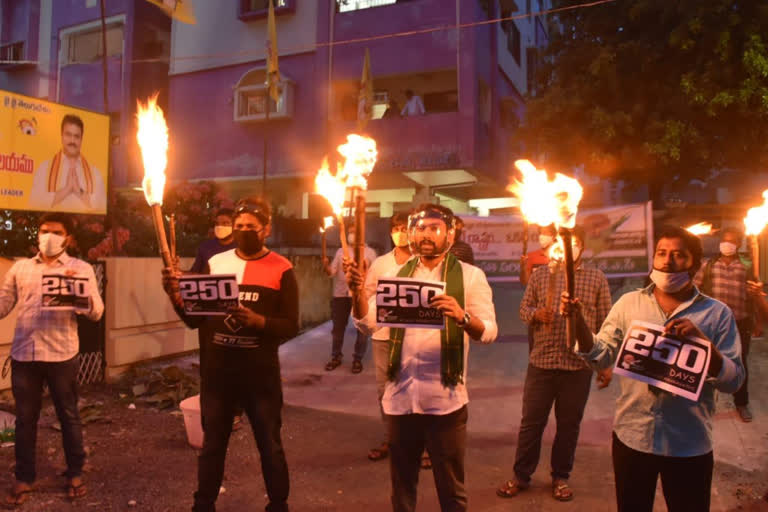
x=85 y=47
x=443 y=101
x=513 y=41
x=12 y=51
x=356 y=5
x=254 y=9
x=251 y=98
x=531 y=64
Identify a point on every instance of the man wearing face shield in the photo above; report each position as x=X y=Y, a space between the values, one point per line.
x=386 y=265
x=725 y=278
x=425 y=398
x=44 y=351
x=242 y=367
x=655 y=432
x=555 y=375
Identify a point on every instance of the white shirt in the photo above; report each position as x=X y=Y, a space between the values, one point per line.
x=418 y=388
x=41 y=199
x=385 y=265
x=340 y=288
x=413 y=107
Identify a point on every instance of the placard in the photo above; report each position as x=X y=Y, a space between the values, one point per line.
x=205 y=294
x=669 y=362
x=404 y=302
x=65 y=293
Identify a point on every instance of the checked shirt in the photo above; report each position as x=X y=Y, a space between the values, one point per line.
x=728 y=285
x=550 y=350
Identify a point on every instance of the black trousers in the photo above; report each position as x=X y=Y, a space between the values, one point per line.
x=685 y=481
x=27 y=380
x=741 y=397
x=340 y=309
x=568 y=390
x=259 y=392
x=445 y=439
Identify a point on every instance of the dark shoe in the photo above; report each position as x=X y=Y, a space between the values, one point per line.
x=744 y=413
x=357 y=366
x=333 y=364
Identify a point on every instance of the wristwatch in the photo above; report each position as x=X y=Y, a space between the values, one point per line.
x=464 y=321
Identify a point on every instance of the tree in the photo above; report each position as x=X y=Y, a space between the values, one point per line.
x=649 y=89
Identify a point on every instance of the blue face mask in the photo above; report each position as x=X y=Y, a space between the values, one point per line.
x=670 y=282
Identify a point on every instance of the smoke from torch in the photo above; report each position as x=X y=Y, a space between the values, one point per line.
x=152 y=136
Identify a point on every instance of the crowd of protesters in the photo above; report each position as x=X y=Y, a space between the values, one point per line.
x=421 y=374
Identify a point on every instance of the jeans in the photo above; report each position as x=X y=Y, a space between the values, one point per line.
x=259 y=392
x=27 y=380
x=340 y=310
x=685 y=481
x=445 y=439
x=569 y=391
x=741 y=397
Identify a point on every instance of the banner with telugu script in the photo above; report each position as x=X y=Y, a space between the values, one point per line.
x=619 y=241
x=47 y=166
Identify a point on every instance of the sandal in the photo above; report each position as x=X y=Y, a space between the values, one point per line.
x=379 y=453
x=237 y=423
x=333 y=364
x=511 y=488
x=561 y=491
x=17 y=495
x=357 y=366
x=426 y=462
x=76 y=488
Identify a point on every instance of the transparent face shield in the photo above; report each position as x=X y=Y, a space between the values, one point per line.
x=430 y=233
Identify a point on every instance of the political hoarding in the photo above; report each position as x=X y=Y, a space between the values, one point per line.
x=619 y=241
x=53 y=157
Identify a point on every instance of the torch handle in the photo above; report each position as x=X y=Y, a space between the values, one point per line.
x=525 y=237
x=570 y=284
x=343 y=236
x=162 y=241
x=172 y=233
x=359 y=228
x=755 y=248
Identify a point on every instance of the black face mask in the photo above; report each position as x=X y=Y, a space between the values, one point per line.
x=249 y=242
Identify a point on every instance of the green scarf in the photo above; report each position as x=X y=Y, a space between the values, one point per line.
x=451 y=337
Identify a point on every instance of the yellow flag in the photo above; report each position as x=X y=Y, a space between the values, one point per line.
x=273 y=71
x=365 y=97
x=177 y=9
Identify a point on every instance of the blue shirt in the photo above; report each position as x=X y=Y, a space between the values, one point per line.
x=662 y=423
x=206 y=251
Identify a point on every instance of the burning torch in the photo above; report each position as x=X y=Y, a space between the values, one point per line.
x=359 y=154
x=152 y=136
x=755 y=223
x=700 y=229
x=545 y=201
x=333 y=190
x=327 y=223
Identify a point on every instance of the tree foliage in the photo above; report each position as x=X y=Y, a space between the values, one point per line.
x=647 y=89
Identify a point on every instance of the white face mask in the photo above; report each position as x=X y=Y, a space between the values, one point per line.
x=351 y=238
x=222 y=232
x=545 y=241
x=728 y=249
x=51 y=244
x=400 y=239
x=670 y=282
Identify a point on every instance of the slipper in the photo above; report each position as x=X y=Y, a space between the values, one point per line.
x=561 y=491
x=379 y=453
x=426 y=462
x=17 y=496
x=75 y=490
x=237 y=423
x=333 y=364
x=511 y=488
x=357 y=366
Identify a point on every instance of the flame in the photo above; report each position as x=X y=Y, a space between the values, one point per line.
x=544 y=201
x=556 y=251
x=153 y=141
x=330 y=187
x=702 y=228
x=757 y=217
x=359 y=159
x=327 y=223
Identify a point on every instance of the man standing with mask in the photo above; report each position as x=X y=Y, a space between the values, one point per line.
x=725 y=278
x=655 y=432
x=243 y=368
x=44 y=351
x=223 y=240
x=425 y=399
x=529 y=262
x=386 y=265
x=341 y=305
x=555 y=376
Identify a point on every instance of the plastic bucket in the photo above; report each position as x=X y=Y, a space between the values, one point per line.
x=192 y=422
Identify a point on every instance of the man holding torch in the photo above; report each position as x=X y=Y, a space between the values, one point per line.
x=556 y=376
x=655 y=432
x=243 y=368
x=425 y=399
